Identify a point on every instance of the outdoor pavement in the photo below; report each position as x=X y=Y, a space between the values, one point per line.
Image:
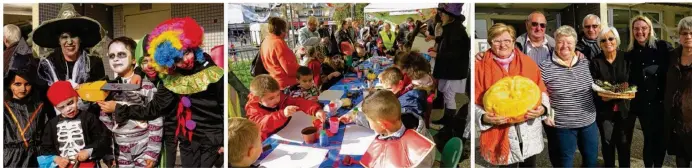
x=636 y=153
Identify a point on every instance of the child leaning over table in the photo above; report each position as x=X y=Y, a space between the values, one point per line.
x=245 y=138
x=393 y=141
x=305 y=88
x=333 y=69
x=270 y=108
x=73 y=137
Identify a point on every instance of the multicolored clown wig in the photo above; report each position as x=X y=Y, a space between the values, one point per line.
x=170 y=40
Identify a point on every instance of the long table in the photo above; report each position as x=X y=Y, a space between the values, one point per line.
x=333 y=159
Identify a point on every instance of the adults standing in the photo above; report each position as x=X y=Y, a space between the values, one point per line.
x=404 y=29
x=343 y=34
x=277 y=58
x=568 y=80
x=615 y=122
x=678 y=96
x=388 y=38
x=452 y=60
x=17 y=51
x=649 y=57
x=587 y=44
x=355 y=30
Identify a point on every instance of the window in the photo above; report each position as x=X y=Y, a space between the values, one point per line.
x=678 y=17
x=620 y=18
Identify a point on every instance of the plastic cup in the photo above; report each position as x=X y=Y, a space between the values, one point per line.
x=309 y=135
x=360 y=74
x=333 y=125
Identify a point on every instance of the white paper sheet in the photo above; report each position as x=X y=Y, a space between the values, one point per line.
x=285 y=155
x=291 y=132
x=356 y=140
x=329 y=95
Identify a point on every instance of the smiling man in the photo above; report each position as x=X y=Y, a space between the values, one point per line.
x=587 y=43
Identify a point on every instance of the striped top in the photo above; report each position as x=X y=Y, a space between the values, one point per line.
x=570 y=92
x=540 y=53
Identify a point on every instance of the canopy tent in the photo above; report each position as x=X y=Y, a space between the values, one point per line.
x=397 y=7
x=245 y=13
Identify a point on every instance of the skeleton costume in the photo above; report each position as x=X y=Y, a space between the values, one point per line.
x=66 y=137
x=137 y=140
x=24 y=120
x=199 y=114
x=54 y=67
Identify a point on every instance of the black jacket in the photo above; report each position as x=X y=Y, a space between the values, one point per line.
x=589 y=48
x=96 y=135
x=615 y=73
x=678 y=80
x=452 y=61
x=649 y=66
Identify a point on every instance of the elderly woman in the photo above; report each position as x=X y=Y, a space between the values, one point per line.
x=647 y=54
x=518 y=142
x=614 y=120
x=678 y=95
x=568 y=80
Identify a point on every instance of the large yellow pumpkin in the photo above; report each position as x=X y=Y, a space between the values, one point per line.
x=512 y=96
x=92 y=91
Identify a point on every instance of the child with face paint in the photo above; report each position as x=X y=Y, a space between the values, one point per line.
x=139 y=141
x=75 y=137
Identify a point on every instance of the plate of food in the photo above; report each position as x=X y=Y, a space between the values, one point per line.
x=614 y=91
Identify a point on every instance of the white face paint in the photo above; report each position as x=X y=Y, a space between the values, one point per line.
x=119 y=58
x=68 y=108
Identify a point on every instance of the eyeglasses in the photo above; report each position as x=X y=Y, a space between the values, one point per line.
x=498 y=42
x=685 y=34
x=608 y=39
x=534 y=24
x=591 y=26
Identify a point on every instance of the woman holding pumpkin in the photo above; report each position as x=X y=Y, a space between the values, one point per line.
x=613 y=118
x=568 y=80
x=509 y=140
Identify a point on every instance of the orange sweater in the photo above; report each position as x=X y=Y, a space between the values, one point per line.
x=279 y=60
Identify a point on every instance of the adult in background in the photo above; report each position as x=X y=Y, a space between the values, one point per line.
x=649 y=59
x=452 y=58
x=388 y=39
x=678 y=96
x=587 y=44
x=278 y=59
x=568 y=80
x=615 y=122
x=17 y=49
x=309 y=31
x=343 y=34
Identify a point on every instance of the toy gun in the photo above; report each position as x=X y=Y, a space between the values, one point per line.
x=98 y=91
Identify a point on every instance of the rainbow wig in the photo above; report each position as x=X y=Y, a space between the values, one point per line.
x=171 y=39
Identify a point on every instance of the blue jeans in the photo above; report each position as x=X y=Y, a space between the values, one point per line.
x=568 y=139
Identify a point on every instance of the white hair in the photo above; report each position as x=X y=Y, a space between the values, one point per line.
x=566 y=31
x=590 y=16
x=607 y=30
x=12 y=33
x=685 y=24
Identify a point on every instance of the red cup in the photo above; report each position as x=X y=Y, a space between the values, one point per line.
x=333 y=124
x=309 y=135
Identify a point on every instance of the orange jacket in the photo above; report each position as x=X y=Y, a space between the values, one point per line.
x=279 y=60
x=488 y=72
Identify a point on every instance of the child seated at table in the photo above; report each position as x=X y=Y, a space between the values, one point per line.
x=75 y=136
x=394 y=140
x=305 y=88
x=333 y=69
x=360 y=55
x=314 y=63
x=245 y=139
x=270 y=108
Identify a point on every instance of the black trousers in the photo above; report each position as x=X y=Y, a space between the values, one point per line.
x=171 y=148
x=620 y=141
x=654 y=147
x=196 y=154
